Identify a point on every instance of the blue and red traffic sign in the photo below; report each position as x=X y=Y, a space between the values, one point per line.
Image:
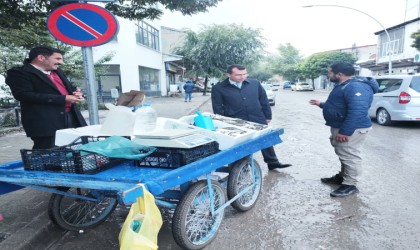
x=82 y=24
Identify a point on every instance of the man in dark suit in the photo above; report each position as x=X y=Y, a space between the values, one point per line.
x=244 y=99
x=46 y=96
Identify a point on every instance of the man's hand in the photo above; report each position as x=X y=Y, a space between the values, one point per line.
x=315 y=102
x=76 y=97
x=342 y=138
x=78 y=93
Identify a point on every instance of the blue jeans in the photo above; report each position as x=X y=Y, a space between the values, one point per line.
x=187 y=96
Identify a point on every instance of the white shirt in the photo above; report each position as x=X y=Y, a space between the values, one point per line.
x=236 y=84
x=47 y=72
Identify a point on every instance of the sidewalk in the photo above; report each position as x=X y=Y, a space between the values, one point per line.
x=25 y=223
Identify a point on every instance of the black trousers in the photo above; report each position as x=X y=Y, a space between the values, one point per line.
x=269 y=155
x=46 y=142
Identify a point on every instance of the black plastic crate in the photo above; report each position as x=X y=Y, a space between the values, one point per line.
x=67 y=159
x=178 y=157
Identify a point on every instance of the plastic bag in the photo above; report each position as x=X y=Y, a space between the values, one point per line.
x=142 y=225
x=118 y=147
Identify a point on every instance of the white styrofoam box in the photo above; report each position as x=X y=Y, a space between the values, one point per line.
x=258 y=129
x=226 y=135
x=119 y=121
x=67 y=136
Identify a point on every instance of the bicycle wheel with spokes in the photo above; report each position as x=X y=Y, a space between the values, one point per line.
x=74 y=213
x=193 y=224
x=242 y=175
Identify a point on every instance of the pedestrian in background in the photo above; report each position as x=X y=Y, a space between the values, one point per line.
x=239 y=97
x=346 y=112
x=188 y=87
x=47 y=98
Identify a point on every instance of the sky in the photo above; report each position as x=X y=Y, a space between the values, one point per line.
x=310 y=30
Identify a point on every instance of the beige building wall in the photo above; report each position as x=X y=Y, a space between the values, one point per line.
x=171 y=38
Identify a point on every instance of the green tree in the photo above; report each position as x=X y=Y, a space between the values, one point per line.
x=215 y=47
x=23 y=26
x=317 y=64
x=285 y=63
x=261 y=70
x=260 y=75
x=17 y=14
x=416 y=40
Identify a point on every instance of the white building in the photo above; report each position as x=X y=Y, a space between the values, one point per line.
x=397 y=48
x=137 y=64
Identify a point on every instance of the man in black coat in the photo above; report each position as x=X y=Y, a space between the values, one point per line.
x=245 y=99
x=46 y=96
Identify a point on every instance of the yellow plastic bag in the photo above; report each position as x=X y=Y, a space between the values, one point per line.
x=144 y=212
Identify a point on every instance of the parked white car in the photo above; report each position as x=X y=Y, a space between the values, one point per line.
x=302 y=86
x=270 y=94
x=398 y=99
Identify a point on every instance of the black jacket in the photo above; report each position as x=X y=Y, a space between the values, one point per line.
x=249 y=103
x=42 y=105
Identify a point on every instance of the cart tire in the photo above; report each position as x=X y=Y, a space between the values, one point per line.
x=193 y=225
x=76 y=214
x=240 y=177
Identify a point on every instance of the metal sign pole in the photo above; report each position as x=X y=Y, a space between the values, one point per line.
x=71 y=24
x=90 y=85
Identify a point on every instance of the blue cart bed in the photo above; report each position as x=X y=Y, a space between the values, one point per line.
x=126 y=176
x=190 y=190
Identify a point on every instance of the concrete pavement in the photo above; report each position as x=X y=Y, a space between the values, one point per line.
x=26 y=224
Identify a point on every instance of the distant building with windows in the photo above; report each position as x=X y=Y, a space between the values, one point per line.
x=397 y=49
x=374 y=59
x=140 y=62
x=172 y=38
x=137 y=62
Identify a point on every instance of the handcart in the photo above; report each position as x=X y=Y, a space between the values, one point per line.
x=196 y=191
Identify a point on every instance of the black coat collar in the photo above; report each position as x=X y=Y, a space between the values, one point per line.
x=28 y=67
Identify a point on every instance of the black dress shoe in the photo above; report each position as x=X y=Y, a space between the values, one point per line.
x=344 y=190
x=272 y=166
x=336 y=180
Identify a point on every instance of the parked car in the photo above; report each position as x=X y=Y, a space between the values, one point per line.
x=200 y=87
x=398 y=99
x=302 y=86
x=287 y=84
x=275 y=83
x=270 y=94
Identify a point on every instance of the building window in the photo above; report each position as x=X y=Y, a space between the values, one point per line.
x=108 y=78
x=149 y=81
x=396 y=45
x=147 y=35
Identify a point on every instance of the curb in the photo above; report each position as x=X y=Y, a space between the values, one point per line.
x=199 y=106
x=6 y=131
x=39 y=232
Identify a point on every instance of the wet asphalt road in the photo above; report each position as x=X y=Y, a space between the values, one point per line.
x=294 y=210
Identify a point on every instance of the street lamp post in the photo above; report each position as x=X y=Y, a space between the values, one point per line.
x=386 y=31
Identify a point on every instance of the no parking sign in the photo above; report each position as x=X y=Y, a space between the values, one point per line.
x=82 y=24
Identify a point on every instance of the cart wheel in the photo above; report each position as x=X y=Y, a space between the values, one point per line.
x=75 y=214
x=240 y=177
x=193 y=225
